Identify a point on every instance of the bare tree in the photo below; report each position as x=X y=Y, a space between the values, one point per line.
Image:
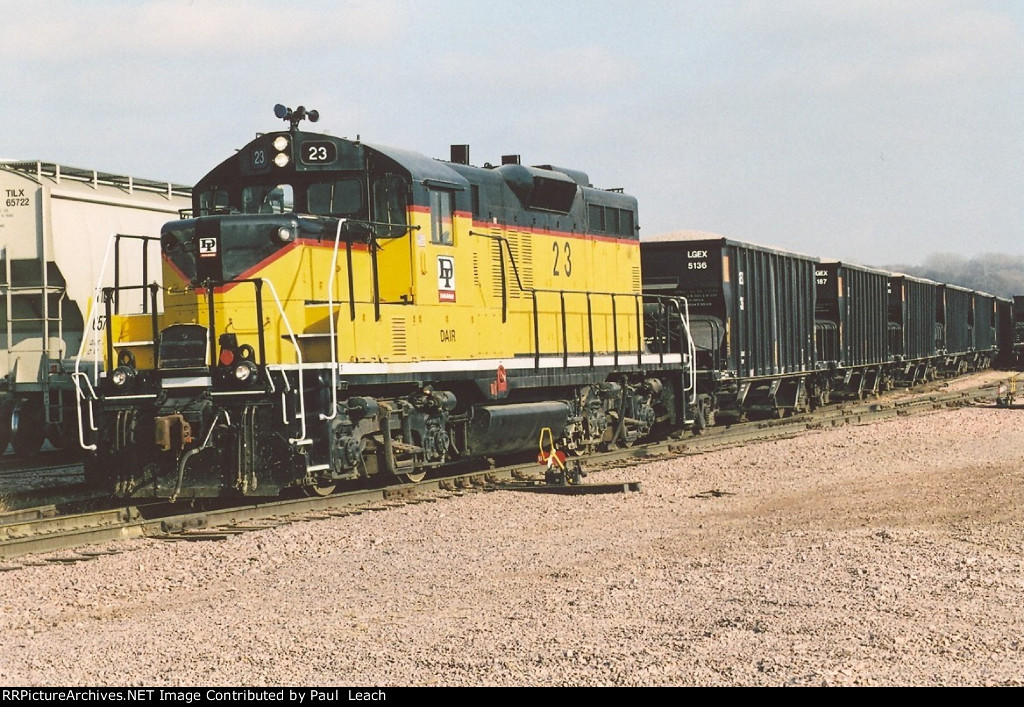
x=996 y=273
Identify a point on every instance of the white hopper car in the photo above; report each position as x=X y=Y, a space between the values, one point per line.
x=57 y=225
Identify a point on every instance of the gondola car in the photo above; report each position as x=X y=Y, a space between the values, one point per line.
x=333 y=310
x=752 y=320
x=984 y=331
x=852 y=325
x=915 y=331
x=940 y=329
x=1006 y=343
x=776 y=332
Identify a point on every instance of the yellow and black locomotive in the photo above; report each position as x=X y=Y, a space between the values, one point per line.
x=332 y=310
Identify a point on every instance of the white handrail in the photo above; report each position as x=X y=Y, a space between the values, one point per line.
x=298 y=356
x=80 y=396
x=691 y=349
x=90 y=327
x=330 y=320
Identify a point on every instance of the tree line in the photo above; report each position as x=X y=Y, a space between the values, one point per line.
x=995 y=273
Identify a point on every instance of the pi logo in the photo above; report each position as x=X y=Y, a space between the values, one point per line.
x=445 y=278
x=207 y=247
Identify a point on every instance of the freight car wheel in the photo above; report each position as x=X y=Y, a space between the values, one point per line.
x=28 y=428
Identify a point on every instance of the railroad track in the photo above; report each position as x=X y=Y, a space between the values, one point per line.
x=45 y=529
x=50 y=476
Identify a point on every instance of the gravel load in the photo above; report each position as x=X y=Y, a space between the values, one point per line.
x=882 y=554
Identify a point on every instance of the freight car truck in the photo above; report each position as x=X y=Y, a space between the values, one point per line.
x=56 y=228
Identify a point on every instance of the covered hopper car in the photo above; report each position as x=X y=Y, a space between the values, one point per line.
x=56 y=223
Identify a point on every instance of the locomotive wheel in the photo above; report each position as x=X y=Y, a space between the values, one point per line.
x=28 y=427
x=319 y=491
x=5 y=424
x=413 y=478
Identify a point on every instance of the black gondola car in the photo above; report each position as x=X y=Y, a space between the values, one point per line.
x=915 y=334
x=1018 y=331
x=1007 y=347
x=986 y=330
x=955 y=315
x=969 y=325
x=852 y=327
x=751 y=318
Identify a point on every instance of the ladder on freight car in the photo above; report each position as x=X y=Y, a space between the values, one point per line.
x=33 y=305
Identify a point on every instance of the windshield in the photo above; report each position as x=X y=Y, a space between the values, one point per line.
x=343 y=197
x=268 y=199
x=213 y=201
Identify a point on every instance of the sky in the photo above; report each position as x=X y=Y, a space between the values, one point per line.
x=870 y=131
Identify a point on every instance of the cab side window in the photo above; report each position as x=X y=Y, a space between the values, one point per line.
x=389 y=206
x=442 y=206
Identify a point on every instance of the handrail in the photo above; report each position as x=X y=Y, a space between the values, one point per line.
x=638 y=298
x=503 y=241
x=691 y=347
x=90 y=326
x=298 y=355
x=677 y=304
x=38 y=170
x=92 y=419
x=146 y=240
x=330 y=321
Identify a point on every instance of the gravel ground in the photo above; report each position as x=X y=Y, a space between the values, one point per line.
x=884 y=554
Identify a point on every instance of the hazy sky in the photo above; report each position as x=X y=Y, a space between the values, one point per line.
x=871 y=131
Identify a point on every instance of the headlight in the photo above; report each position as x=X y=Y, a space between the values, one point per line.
x=280 y=143
x=245 y=371
x=122 y=376
x=281 y=159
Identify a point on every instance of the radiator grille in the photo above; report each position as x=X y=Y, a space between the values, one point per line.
x=399 y=340
x=497 y=253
